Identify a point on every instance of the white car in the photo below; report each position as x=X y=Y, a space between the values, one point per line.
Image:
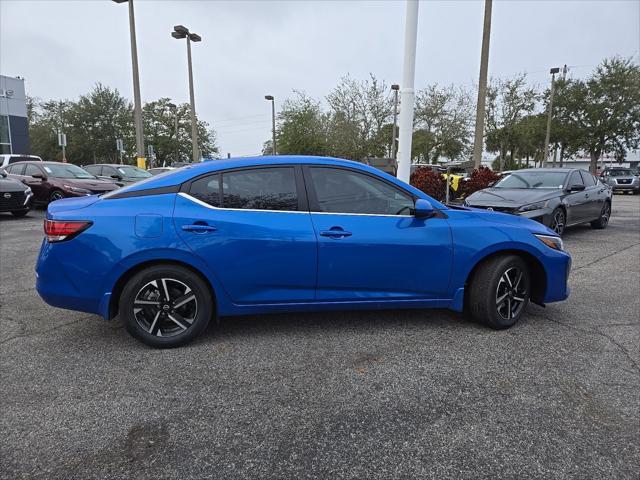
x=9 y=158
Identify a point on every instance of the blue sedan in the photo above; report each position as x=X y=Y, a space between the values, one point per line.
x=282 y=234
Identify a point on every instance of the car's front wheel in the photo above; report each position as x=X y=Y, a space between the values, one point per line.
x=602 y=222
x=166 y=305
x=558 y=221
x=499 y=291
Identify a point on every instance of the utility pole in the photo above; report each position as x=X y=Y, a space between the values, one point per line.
x=545 y=158
x=408 y=93
x=137 y=112
x=273 y=120
x=395 y=88
x=478 y=141
x=182 y=32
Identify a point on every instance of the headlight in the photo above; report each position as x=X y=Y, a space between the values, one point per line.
x=533 y=206
x=551 y=241
x=27 y=191
x=77 y=189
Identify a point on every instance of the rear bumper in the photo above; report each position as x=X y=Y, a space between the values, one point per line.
x=56 y=288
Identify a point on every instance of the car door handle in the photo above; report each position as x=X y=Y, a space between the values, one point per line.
x=335 y=233
x=198 y=228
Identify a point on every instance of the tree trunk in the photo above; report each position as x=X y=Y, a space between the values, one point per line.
x=502 y=154
x=593 y=166
x=527 y=159
x=561 y=155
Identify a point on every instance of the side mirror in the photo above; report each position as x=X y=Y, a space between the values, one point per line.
x=576 y=188
x=423 y=209
x=117 y=177
x=38 y=175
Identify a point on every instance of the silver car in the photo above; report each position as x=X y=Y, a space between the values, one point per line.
x=621 y=180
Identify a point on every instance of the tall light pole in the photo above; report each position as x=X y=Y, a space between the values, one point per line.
x=395 y=87
x=407 y=92
x=482 y=85
x=182 y=32
x=137 y=103
x=553 y=72
x=273 y=120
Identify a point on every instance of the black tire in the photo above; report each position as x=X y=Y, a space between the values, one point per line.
x=492 y=300
x=19 y=213
x=163 y=323
x=558 y=220
x=56 y=195
x=605 y=214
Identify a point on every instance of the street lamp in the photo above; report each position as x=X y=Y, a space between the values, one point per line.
x=137 y=112
x=395 y=88
x=180 y=32
x=273 y=120
x=553 y=72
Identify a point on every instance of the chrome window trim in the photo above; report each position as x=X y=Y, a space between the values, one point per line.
x=206 y=205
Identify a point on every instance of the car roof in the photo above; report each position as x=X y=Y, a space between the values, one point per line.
x=560 y=170
x=186 y=173
x=108 y=165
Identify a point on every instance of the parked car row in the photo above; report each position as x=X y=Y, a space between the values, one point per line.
x=28 y=180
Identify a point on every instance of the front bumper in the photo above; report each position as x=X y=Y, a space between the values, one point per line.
x=625 y=187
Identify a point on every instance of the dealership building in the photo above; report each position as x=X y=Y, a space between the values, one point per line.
x=14 y=127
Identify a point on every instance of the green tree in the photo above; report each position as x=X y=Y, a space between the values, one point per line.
x=358 y=112
x=167 y=128
x=46 y=120
x=444 y=118
x=602 y=114
x=96 y=120
x=302 y=127
x=508 y=102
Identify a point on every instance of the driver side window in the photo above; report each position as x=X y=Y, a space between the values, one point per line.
x=346 y=191
x=575 y=179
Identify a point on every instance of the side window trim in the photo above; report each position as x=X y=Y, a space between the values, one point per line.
x=314 y=206
x=303 y=202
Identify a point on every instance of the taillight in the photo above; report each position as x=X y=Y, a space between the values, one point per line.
x=58 y=230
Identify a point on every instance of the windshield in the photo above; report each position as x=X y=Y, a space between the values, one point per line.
x=66 y=170
x=134 y=172
x=532 y=179
x=620 y=173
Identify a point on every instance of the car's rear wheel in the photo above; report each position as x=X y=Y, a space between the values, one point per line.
x=19 y=213
x=602 y=222
x=558 y=221
x=499 y=291
x=166 y=305
x=56 y=195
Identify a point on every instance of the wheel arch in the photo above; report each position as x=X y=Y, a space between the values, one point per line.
x=128 y=274
x=536 y=270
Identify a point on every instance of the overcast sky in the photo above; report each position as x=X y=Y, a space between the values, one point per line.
x=249 y=49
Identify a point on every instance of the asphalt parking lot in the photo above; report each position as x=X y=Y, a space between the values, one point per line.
x=384 y=394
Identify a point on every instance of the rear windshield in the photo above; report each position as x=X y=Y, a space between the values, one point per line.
x=66 y=170
x=532 y=179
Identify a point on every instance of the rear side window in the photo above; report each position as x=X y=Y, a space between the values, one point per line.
x=207 y=189
x=20 y=159
x=588 y=179
x=15 y=169
x=252 y=189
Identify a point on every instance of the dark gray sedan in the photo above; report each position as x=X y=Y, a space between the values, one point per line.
x=556 y=197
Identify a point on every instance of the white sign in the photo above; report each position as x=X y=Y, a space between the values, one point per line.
x=62 y=139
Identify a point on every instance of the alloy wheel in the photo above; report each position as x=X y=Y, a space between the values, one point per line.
x=165 y=307
x=558 y=222
x=511 y=293
x=56 y=196
x=606 y=213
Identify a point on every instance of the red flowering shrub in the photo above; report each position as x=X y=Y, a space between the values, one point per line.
x=430 y=182
x=480 y=178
